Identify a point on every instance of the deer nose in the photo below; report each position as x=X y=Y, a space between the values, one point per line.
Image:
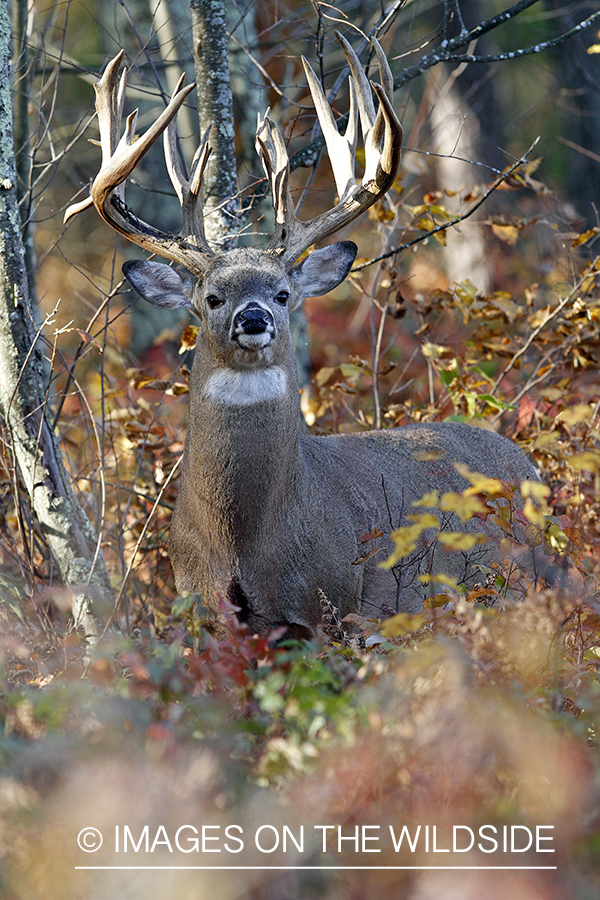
x=253 y=319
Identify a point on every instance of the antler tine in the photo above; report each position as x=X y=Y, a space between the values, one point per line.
x=363 y=92
x=110 y=98
x=271 y=148
x=292 y=236
x=340 y=148
x=189 y=191
x=381 y=165
x=120 y=156
x=387 y=79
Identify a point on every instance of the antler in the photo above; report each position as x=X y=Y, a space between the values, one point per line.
x=120 y=156
x=292 y=236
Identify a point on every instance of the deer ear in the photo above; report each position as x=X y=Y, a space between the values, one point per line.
x=159 y=284
x=323 y=269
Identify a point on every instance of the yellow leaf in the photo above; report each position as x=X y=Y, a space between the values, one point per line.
x=507 y=306
x=459 y=540
x=480 y=483
x=530 y=167
x=547 y=441
x=557 y=538
x=595 y=48
x=582 y=238
x=428 y=455
x=535 y=507
x=424 y=224
x=534 y=513
x=405 y=538
x=466 y=291
x=430 y=499
x=177 y=389
x=588 y=461
x=381 y=212
x=575 y=415
x=537 y=490
x=433 y=351
x=463 y=505
x=188 y=338
x=425 y=520
x=350 y=370
x=438 y=579
x=323 y=375
x=507 y=233
x=440 y=237
x=436 y=601
x=401 y=624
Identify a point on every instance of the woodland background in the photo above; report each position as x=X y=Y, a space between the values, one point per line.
x=485 y=708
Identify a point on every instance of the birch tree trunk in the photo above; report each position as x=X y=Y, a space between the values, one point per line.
x=73 y=544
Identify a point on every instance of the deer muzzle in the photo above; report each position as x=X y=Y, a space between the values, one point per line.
x=253 y=326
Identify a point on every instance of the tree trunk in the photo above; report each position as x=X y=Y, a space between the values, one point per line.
x=73 y=544
x=215 y=108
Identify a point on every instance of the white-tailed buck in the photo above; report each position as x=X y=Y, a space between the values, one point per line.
x=267 y=517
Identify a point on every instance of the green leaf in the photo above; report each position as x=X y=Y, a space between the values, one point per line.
x=494 y=402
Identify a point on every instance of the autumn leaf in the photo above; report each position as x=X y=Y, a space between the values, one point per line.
x=465 y=506
x=535 y=507
x=482 y=484
x=507 y=233
x=323 y=375
x=460 y=540
x=89 y=339
x=365 y=556
x=466 y=291
x=575 y=415
x=557 y=538
x=371 y=536
x=428 y=578
x=401 y=624
x=475 y=593
x=405 y=538
x=433 y=351
x=588 y=461
x=425 y=224
x=436 y=601
x=381 y=212
x=349 y=370
x=429 y=499
x=586 y=235
x=188 y=338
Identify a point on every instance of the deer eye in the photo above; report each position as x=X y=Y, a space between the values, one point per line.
x=282 y=297
x=214 y=301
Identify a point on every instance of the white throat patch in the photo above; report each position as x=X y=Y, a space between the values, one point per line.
x=244 y=387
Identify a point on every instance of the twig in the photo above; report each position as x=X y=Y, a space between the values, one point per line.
x=456 y=221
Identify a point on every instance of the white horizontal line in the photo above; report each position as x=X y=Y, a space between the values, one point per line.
x=300 y=868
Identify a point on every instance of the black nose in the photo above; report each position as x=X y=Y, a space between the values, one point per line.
x=253 y=320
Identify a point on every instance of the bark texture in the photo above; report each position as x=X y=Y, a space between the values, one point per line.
x=69 y=534
x=215 y=108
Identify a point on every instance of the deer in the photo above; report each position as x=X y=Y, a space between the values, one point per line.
x=269 y=518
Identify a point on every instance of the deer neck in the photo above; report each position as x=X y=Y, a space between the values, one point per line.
x=242 y=464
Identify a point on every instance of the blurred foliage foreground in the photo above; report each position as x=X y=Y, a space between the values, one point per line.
x=477 y=718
